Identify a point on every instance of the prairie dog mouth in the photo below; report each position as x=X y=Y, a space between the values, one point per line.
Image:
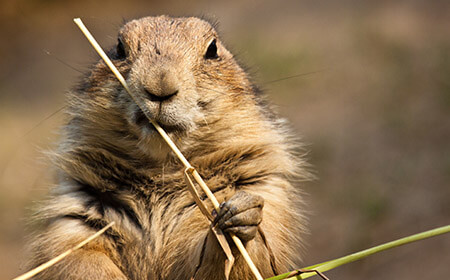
x=142 y=121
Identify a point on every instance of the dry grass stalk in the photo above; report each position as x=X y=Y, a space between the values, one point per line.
x=189 y=169
x=55 y=260
x=217 y=232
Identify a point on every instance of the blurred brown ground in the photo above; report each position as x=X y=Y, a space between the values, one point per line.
x=375 y=115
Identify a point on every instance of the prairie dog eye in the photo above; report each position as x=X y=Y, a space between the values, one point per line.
x=120 y=50
x=211 y=52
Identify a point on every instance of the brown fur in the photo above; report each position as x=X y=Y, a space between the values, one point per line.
x=114 y=167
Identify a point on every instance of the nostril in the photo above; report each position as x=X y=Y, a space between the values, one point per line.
x=152 y=96
x=161 y=96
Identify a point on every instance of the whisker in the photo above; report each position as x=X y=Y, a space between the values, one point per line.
x=43 y=120
x=12 y=153
x=162 y=175
x=206 y=122
x=214 y=90
x=62 y=61
x=274 y=81
x=294 y=76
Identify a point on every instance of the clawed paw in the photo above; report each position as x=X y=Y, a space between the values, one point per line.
x=240 y=215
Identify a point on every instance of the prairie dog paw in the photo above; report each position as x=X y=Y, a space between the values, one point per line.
x=240 y=215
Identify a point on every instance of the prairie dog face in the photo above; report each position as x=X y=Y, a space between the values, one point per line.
x=180 y=69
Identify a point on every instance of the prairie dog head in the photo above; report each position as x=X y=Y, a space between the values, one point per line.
x=182 y=71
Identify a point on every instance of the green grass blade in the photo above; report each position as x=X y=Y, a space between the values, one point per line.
x=325 y=266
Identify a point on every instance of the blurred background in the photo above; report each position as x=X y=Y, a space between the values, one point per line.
x=372 y=103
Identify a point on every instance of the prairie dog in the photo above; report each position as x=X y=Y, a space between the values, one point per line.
x=113 y=165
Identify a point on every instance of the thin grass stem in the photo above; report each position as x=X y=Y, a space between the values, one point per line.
x=58 y=258
x=325 y=266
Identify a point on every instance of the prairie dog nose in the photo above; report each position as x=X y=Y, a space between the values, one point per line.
x=162 y=87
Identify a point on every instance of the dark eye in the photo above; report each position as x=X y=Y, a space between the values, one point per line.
x=120 y=50
x=211 y=52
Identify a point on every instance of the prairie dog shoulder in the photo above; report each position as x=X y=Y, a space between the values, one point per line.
x=113 y=165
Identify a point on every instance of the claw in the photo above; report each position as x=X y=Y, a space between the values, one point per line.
x=240 y=215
